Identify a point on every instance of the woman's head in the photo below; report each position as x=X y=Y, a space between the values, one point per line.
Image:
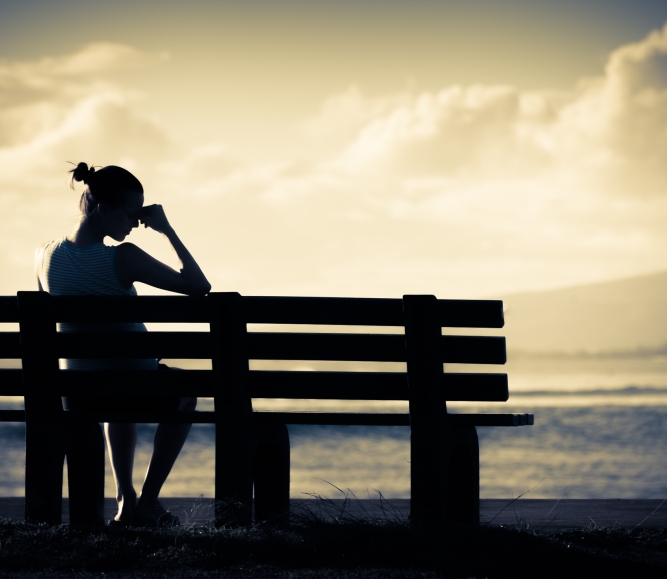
x=114 y=194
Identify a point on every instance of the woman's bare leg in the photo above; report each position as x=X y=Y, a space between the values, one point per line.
x=122 y=441
x=167 y=444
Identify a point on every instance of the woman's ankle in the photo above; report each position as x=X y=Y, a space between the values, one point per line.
x=147 y=500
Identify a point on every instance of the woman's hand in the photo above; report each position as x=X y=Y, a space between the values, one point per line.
x=153 y=216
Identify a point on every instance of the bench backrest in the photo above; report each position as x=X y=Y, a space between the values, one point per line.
x=231 y=347
x=370 y=347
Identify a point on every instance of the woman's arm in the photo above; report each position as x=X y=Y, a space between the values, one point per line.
x=134 y=264
x=39 y=255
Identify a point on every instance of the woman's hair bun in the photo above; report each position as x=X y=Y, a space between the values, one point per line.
x=82 y=173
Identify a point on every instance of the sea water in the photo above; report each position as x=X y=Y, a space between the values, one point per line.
x=600 y=432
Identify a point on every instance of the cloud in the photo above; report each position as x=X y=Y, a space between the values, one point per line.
x=479 y=129
x=464 y=191
x=608 y=130
x=493 y=182
x=57 y=109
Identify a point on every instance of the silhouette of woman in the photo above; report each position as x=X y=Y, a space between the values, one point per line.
x=81 y=264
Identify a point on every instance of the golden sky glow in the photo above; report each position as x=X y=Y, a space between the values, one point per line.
x=464 y=149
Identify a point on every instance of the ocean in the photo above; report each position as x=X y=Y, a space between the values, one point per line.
x=600 y=432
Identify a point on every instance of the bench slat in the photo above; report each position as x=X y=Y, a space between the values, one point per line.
x=263 y=384
x=10 y=345
x=12 y=415
x=109 y=309
x=276 y=346
x=473 y=350
x=334 y=347
x=336 y=418
x=11 y=382
x=371 y=386
x=199 y=383
x=369 y=347
x=312 y=418
x=473 y=387
x=389 y=419
x=491 y=419
x=195 y=345
x=327 y=385
x=470 y=313
x=323 y=311
x=267 y=310
x=367 y=312
x=9 y=309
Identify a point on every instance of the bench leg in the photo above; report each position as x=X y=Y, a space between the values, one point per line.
x=44 y=460
x=460 y=475
x=85 y=472
x=271 y=474
x=233 y=468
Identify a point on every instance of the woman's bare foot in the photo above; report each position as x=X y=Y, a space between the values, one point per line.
x=154 y=515
x=126 y=507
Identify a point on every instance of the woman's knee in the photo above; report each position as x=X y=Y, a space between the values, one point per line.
x=188 y=403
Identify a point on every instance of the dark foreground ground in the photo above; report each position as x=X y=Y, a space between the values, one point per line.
x=327 y=542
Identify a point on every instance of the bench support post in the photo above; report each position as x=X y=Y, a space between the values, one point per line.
x=460 y=474
x=233 y=411
x=428 y=412
x=272 y=473
x=44 y=439
x=85 y=451
x=444 y=469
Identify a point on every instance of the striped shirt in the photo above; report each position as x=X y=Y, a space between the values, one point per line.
x=91 y=270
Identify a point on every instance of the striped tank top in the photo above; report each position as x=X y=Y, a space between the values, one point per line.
x=66 y=270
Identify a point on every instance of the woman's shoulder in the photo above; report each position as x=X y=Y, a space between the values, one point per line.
x=47 y=247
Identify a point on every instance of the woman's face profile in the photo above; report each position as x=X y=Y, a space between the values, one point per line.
x=118 y=222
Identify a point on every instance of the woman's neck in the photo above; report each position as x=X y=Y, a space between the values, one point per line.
x=88 y=232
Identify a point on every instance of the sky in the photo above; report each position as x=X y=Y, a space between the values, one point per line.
x=458 y=148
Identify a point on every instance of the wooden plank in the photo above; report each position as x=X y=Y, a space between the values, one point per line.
x=314 y=418
x=263 y=384
x=370 y=347
x=367 y=312
x=471 y=313
x=428 y=414
x=323 y=311
x=10 y=345
x=12 y=415
x=335 y=418
x=144 y=416
x=110 y=309
x=45 y=443
x=491 y=419
x=473 y=349
x=195 y=345
x=371 y=386
x=11 y=382
x=464 y=387
x=198 y=383
x=328 y=385
x=233 y=407
x=343 y=347
x=9 y=310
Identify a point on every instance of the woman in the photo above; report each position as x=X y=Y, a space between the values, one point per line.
x=80 y=264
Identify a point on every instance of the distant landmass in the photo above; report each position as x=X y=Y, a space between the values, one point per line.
x=623 y=315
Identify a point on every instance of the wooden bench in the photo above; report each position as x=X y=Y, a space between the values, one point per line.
x=252 y=448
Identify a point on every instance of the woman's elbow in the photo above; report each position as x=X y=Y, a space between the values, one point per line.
x=200 y=289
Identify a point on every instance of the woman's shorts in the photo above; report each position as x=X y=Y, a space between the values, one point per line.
x=123 y=403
